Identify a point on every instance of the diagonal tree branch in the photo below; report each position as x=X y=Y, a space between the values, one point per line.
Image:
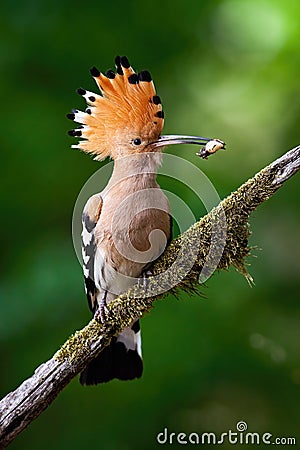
x=218 y=240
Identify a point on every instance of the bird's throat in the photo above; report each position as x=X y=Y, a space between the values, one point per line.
x=142 y=165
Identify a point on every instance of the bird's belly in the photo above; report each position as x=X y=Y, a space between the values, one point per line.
x=126 y=249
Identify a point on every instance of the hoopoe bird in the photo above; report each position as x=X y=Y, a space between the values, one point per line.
x=127 y=225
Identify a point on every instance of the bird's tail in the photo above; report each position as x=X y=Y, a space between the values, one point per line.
x=121 y=359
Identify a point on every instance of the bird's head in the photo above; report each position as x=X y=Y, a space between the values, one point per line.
x=127 y=118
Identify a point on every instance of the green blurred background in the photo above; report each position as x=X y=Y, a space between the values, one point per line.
x=224 y=68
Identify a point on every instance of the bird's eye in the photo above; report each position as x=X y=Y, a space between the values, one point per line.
x=137 y=141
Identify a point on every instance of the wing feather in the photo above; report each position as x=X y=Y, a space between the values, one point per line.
x=90 y=217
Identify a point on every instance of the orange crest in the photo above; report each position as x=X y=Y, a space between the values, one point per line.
x=127 y=112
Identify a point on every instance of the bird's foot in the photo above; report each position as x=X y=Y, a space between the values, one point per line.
x=102 y=311
x=143 y=280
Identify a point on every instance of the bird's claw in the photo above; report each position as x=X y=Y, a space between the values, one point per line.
x=102 y=311
x=143 y=280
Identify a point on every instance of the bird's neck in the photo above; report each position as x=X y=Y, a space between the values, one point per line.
x=139 y=166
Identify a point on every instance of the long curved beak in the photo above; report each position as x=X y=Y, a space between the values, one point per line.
x=180 y=139
x=210 y=145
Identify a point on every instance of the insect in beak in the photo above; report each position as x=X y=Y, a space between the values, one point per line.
x=210 y=146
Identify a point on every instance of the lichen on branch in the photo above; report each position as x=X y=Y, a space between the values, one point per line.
x=226 y=226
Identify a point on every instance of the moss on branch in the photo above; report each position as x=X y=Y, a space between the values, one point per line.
x=219 y=240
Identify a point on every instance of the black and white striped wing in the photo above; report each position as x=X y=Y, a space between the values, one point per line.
x=90 y=217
